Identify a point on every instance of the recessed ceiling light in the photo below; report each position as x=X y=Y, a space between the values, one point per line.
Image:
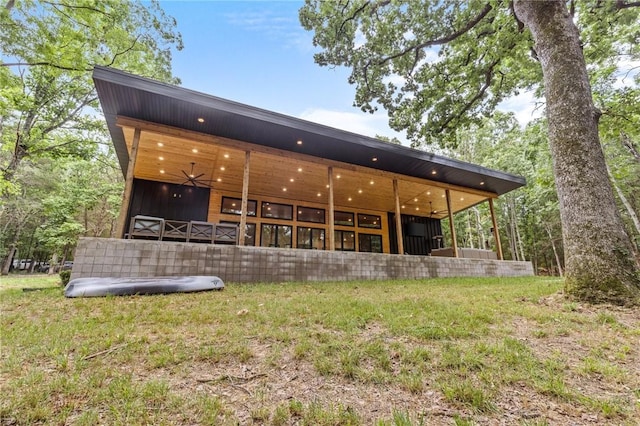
x=194 y=150
x=327 y=185
x=374 y=159
x=417 y=208
x=160 y=158
x=319 y=194
x=359 y=191
x=291 y=180
x=433 y=172
x=161 y=171
x=222 y=168
x=160 y=144
x=226 y=156
x=403 y=207
x=435 y=211
x=299 y=169
x=415 y=199
x=428 y=192
x=338 y=177
x=284 y=189
x=200 y=120
x=350 y=198
x=461 y=198
x=299 y=142
x=481 y=183
x=191 y=176
x=371 y=183
x=442 y=195
x=219 y=180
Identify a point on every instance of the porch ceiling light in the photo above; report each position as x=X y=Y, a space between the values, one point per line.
x=319 y=194
x=222 y=168
x=226 y=156
x=161 y=158
x=194 y=150
x=284 y=189
x=300 y=169
x=291 y=180
x=359 y=191
x=371 y=183
x=219 y=180
x=350 y=198
x=161 y=171
x=160 y=144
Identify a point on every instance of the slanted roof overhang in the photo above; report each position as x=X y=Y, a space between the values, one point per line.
x=123 y=94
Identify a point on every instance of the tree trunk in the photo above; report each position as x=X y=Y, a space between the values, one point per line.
x=555 y=252
x=599 y=264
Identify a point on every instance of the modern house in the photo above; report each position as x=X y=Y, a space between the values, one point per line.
x=277 y=198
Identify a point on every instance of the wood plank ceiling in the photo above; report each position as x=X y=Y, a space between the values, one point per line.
x=219 y=163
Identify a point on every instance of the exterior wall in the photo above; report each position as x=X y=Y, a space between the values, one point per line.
x=101 y=257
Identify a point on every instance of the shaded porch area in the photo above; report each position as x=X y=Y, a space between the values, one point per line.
x=102 y=257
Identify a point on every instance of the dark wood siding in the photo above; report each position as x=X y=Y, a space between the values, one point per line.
x=417 y=235
x=168 y=200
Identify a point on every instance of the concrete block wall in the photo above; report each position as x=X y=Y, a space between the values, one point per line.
x=102 y=257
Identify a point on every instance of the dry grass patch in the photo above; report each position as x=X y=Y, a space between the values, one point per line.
x=446 y=351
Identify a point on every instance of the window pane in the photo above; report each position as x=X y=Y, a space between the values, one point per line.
x=317 y=239
x=234 y=206
x=345 y=240
x=370 y=243
x=369 y=221
x=276 y=236
x=268 y=236
x=311 y=238
x=284 y=236
x=343 y=218
x=277 y=211
x=308 y=214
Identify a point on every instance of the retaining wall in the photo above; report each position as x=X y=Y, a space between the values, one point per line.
x=102 y=257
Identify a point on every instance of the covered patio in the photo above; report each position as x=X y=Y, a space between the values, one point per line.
x=282 y=184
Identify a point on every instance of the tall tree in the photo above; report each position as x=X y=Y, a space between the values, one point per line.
x=48 y=104
x=436 y=65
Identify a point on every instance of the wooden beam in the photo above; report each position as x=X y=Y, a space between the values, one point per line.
x=332 y=227
x=452 y=228
x=396 y=194
x=245 y=196
x=496 y=234
x=128 y=185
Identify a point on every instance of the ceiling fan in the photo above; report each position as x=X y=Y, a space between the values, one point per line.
x=432 y=211
x=193 y=179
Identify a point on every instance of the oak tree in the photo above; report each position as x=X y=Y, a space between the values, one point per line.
x=438 y=65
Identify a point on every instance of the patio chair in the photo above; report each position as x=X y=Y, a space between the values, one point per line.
x=201 y=232
x=226 y=233
x=147 y=227
x=175 y=230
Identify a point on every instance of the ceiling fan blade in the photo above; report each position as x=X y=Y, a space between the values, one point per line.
x=197 y=177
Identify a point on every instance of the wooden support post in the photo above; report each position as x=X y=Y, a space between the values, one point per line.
x=396 y=194
x=245 y=196
x=452 y=228
x=128 y=185
x=496 y=234
x=332 y=237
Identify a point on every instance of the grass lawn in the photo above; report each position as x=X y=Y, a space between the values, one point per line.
x=442 y=351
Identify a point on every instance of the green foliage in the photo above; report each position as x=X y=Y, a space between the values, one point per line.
x=58 y=175
x=65 y=276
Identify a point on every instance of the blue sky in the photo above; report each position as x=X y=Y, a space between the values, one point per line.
x=257 y=53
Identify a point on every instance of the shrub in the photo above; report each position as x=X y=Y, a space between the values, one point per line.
x=65 y=276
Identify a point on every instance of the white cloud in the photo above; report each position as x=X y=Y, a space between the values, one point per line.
x=360 y=123
x=525 y=106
